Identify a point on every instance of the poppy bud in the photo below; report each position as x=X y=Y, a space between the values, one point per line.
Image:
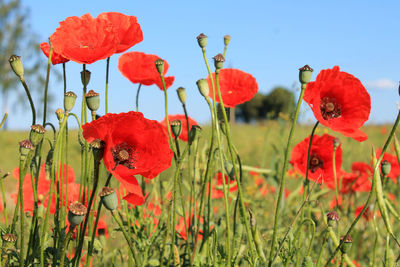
x=305 y=74
x=194 y=133
x=332 y=218
x=16 y=66
x=227 y=39
x=98 y=149
x=202 y=84
x=219 y=61
x=347 y=241
x=109 y=198
x=159 y=65
x=25 y=147
x=176 y=127
x=181 y=95
x=36 y=134
x=69 y=101
x=85 y=77
x=202 y=40
x=60 y=114
x=76 y=214
x=336 y=143
x=92 y=100
x=385 y=167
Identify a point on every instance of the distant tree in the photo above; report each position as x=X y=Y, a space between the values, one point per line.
x=16 y=37
x=250 y=110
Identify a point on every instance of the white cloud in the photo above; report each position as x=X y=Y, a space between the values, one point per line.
x=382 y=83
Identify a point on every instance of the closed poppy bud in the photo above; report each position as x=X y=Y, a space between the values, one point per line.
x=76 y=214
x=60 y=114
x=385 y=167
x=202 y=40
x=159 y=65
x=25 y=147
x=194 y=133
x=69 y=101
x=347 y=241
x=176 y=127
x=305 y=74
x=202 y=84
x=181 y=94
x=36 y=134
x=219 y=61
x=16 y=65
x=92 y=100
x=227 y=39
x=109 y=198
x=332 y=218
x=336 y=143
x=85 y=77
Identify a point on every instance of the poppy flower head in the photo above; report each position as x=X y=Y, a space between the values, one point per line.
x=55 y=58
x=127 y=27
x=85 y=39
x=359 y=180
x=139 y=67
x=340 y=102
x=392 y=159
x=184 y=133
x=236 y=87
x=217 y=191
x=321 y=166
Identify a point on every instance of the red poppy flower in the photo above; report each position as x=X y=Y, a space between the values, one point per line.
x=184 y=133
x=133 y=145
x=359 y=180
x=217 y=191
x=394 y=164
x=55 y=58
x=129 y=31
x=180 y=227
x=85 y=40
x=236 y=87
x=340 y=102
x=321 y=169
x=139 y=67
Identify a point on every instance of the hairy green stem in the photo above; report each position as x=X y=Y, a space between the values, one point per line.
x=137 y=97
x=46 y=87
x=30 y=100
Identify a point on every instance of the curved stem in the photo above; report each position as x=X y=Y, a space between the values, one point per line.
x=137 y=97
x=30 y=100
x=46 y=87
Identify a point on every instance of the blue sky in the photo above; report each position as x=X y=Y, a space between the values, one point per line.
x=270 y=40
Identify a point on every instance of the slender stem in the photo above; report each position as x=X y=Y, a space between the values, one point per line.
x=3 y=195
x=30 y=100
x=64 y=78
x=307 y=181
x=22 y=219
x=137 y=97
x=46 y=87
x=335 y=177
x=283 y=174
x=3 y=120
x=107 y=72
x=64 y=245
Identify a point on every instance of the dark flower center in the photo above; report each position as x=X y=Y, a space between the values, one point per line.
x=315 y=163
x=330 y=109
x=123 y=154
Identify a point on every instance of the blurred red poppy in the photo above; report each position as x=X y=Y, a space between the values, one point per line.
x=236 y=87
x=359 y=180
x=321 y=167
x=184 y=133
x=55 y=58
x=129 y=31
x=180 y=226
x=340 y=102
x=85 y=40
x=394 y=164
x=217 y=191
x=133 y=145
x=367 y=215
x=139 y=67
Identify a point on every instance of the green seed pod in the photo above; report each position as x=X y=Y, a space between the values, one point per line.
x=202 y=84
x=219 y=62
x=25 y=147
x=109 y=198
x=36 y=134
x=305 y=74
x=177 y=259
x=332 y=218
x=181 y=95
x=307 y=262
x=92 y=100
x=347 y=242
x=227 y=39
x=69 y=101
x=60 y=114
x=202 y=40
x=385 y=167
x=76 y=214
x=16 y=66
x=160 y=66
x=176 y=128
x=194 y=133
x=85 y=77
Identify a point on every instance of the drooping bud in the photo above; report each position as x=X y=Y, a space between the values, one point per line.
x=36 y=134
x=194 y=133
x=92 y=100
x=181 y=95
x=159 y=65
x=60 y=114
x=252 y=219
x=336 y=143
x=16 y=66
x=76 y=214
x=85 y=77
x=202 y=40
x=385 y=167
x=305 y=74
x=176 y=128
x=98 y=149
x=347 y=241
x=202 y=84
x=69 y=101
x=109 y=198
x=25 y=147
x=227 y=39
x=332 y=218
x=219 y=61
